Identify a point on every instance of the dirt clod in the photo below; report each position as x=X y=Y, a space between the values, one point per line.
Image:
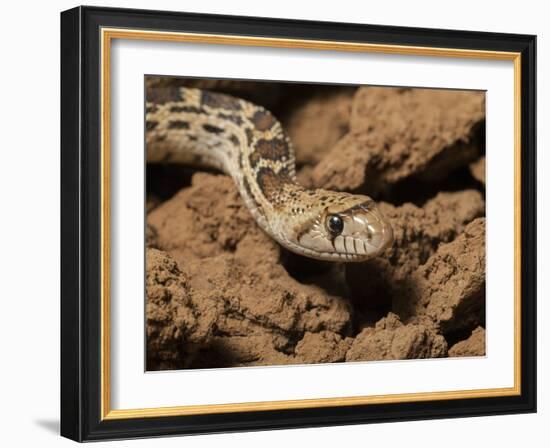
x=390 y=339
x=398 y=133
x=316 y=125
x=473 y=346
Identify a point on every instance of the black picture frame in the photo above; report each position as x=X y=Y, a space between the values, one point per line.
x=81 y=224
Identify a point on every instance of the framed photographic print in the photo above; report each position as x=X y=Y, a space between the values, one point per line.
x=274 y=224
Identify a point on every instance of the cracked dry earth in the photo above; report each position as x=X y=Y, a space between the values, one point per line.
x=220 y=293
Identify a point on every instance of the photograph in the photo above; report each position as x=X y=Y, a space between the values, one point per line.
x=305 y=223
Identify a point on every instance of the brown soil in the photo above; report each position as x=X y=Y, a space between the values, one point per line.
x=473 y=346
x=221 y=293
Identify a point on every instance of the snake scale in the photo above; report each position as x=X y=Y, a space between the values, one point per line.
x=244 y=140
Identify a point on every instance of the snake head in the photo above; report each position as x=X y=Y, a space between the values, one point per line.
x=344 y=227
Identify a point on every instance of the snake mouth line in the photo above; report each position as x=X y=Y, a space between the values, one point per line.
x=324 y=255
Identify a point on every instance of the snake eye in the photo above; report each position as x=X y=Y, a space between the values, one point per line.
x=335 y=225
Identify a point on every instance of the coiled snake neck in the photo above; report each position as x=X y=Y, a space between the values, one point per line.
x=202 y=128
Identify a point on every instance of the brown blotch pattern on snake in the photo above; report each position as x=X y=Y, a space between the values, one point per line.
x=263 y=120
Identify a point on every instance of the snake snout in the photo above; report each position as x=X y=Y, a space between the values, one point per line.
x=381 y=236
x=365 y=234
x=379 y=230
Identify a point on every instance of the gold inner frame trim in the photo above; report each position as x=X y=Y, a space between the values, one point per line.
x=107 y=35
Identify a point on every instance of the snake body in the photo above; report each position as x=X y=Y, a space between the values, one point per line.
x=244 y=140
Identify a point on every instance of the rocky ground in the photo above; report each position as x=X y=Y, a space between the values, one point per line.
x=221 y=293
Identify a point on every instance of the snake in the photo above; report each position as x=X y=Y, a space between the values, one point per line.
x=202 y=128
